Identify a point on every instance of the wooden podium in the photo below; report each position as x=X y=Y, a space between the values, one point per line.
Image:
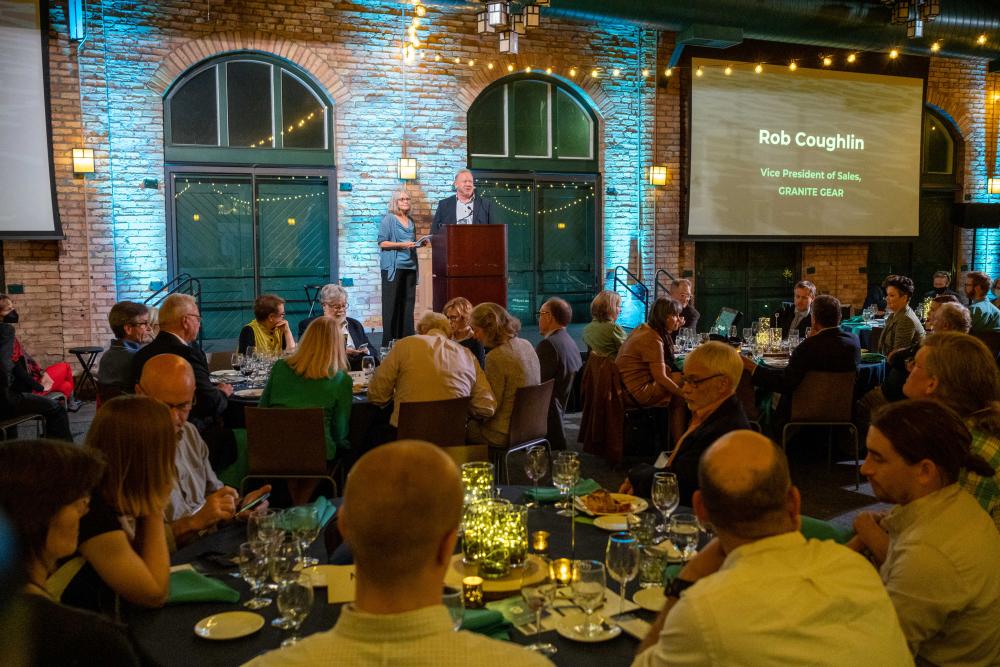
x=470 y=261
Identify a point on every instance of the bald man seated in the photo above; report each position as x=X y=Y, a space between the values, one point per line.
x=760 y=594
x=199 y=501
x=402 y=505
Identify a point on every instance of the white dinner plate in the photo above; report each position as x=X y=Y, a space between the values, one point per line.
x=650 y=599
x=637 y=504
x=225 y=373
x=229 y=625
x=249 y=393
x=612 y=522
x=566 y=628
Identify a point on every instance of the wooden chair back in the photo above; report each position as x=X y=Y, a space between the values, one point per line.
x=439 y=422
x=824 y=397
x=284 y=442
x=220 y=361
x=529 y=419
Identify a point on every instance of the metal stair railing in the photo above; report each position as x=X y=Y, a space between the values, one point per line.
x=637 y=289
x=182 y=283
x=658 y=286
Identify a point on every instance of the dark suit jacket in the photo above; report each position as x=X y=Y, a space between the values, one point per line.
x=444 y=214
x=785 y=318
x=729 y=416
x=691 y=317
x=358 y=338
x=559 y=359
x=831 y=350
x=210 y=402
x=9 y=398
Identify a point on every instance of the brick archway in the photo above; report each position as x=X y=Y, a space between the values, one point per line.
x=599 y=100
x=195 y=51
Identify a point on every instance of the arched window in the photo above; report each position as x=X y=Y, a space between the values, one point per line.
x=247 y=108
x=939 y=152
x=529 y=123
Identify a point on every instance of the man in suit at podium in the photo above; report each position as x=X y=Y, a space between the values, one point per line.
x=464 y=207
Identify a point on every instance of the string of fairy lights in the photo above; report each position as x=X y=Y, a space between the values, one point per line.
x=497 y=186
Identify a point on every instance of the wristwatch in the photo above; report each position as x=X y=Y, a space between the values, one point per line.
x=676 y=587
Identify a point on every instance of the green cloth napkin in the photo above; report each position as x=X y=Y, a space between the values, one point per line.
x=191 y=586
x=486 y=622
x=325 y=508
x=824 y=530
x=857 y=319
x=872 y=358
x=550 y=494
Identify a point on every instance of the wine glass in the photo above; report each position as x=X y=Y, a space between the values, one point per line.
x=236 y=361
x=565 y=475
x=684 y=533
x=368 y=366
x=588 y=593
x=285 y=567
x=451 y=598
x=666 y=496
x=303 y=522
x=254 y=570
x=537 y=597
x=295 y=600
x=536 y=464
x=262 y=526
x=622 y=560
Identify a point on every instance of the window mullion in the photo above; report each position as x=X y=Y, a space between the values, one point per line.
x=277 y=117
x=222 y=103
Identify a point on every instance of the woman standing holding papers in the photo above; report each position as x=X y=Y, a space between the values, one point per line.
x=398 y=264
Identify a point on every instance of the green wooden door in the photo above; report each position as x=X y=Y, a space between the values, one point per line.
x=754 y=278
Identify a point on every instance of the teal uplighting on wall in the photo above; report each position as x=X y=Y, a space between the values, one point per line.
x=987 y=252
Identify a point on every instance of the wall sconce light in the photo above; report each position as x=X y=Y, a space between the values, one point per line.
x=531 y=16
x=993 y=185
x=407 y=168
x=483 y=25
x=508 y=41
x=658 y=174
x=497 y=13
x=83 y=160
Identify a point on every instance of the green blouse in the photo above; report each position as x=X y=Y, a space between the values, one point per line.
x=603 y=338
x=286 y=389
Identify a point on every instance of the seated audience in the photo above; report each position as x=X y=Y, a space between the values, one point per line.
x=28 y=376
x=559 y=360
x=45 y=488
x=510 y=364
x=601 y=416
x=123 y=544
x=942 y=287
x=400 y=516
x=180 y=322
x=956 y=370
x=646 y=358
x=985 y=315
x=996 y=293
x=937 y=550
x=680 y=291
x=760 y=593
x=902 y=327
x=430 y=367
x=315 y=376
x=199 y=502
x=797 y=317
x=268 y=332
x=936 y=303
x=13 y=403
x=712 y=372
x=130 y=324
x=333 y=299
x=829 y=349
x=458 y=311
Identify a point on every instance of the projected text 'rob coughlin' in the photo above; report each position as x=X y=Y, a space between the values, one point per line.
x=830 y=143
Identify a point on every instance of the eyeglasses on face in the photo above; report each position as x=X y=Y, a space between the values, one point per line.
x=143 y=324
x=542 y=312
x=697 y=382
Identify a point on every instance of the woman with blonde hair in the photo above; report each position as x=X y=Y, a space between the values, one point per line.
x=511 y=364
x=123 y=544
x=397 y=242
x=315 y=377
x=458 y=311
x=601 y=432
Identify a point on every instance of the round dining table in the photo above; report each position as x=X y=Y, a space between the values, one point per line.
x=166 y=636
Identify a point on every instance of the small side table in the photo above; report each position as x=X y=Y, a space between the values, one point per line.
x=87 y=356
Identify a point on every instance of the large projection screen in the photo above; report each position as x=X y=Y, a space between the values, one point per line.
x=803 y=155
x=27 y=210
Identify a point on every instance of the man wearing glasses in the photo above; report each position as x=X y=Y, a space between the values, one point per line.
x=333 y=299
x=130 y=323
x=180 y=323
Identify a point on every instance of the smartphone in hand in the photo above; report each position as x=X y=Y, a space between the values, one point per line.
x=253 y=503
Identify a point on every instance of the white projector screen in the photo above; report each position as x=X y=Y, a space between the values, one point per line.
x=809 y=154
x=27 y=211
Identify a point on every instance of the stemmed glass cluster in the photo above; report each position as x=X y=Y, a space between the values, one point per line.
x=536 y=464
x=565 y=475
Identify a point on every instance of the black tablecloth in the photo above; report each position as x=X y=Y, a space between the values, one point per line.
x=166 y=636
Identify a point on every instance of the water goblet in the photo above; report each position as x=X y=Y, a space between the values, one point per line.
x=451 y=598
x=285 y=567
x=303 y=523
x=537 y=597
x=588 y=593
x=622 y=560
x=295 y=600
x=684 y=533
x=254 y=570
x=236 y=361
x=536 y=464
x=665 y=496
